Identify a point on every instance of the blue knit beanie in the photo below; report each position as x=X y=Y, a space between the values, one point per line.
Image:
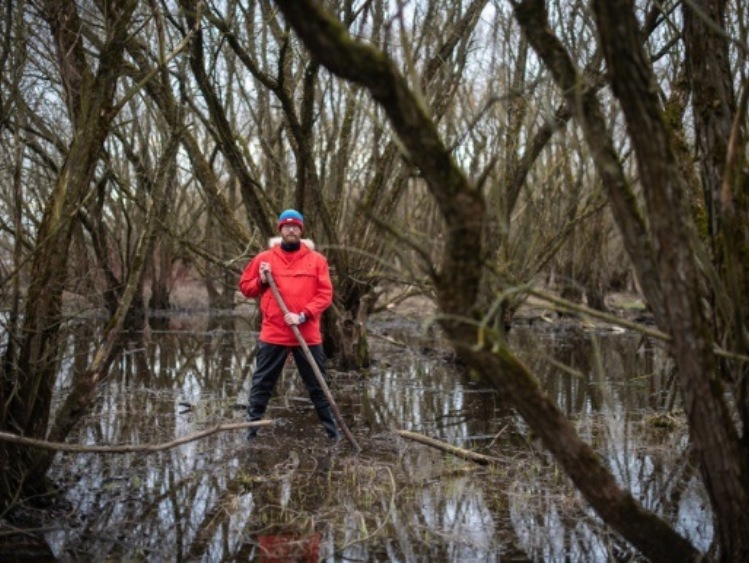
x=290 y=217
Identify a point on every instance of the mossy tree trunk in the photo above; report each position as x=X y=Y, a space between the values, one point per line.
x=310 y=151
x=666 y=275
x=29 y=377
x=721 y=138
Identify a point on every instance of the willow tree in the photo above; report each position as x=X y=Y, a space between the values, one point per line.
x=663 y=251
x=288 y=135
x=32 y=353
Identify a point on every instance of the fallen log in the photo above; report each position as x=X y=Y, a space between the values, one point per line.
x=449 y=448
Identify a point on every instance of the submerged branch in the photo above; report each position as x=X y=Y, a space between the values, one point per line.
x=445 y=447
x=128 y=448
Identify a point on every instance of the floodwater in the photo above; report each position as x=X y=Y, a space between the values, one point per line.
x=292 y=496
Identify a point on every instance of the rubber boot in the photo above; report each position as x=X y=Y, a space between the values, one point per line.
x=325 y=414
x=254 y=413
x=251 y=434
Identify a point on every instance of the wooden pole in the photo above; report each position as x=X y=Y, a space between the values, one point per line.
x=313 y=364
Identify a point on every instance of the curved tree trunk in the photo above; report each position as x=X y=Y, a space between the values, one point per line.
x=460 y=273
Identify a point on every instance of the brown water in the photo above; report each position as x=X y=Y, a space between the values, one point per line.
x=294 y=496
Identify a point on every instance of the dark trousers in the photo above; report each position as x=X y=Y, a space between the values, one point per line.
x=269 y=365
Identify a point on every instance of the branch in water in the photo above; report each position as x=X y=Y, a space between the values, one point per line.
x=123 y=449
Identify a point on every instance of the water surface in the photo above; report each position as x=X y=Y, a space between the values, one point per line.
x=295 y=496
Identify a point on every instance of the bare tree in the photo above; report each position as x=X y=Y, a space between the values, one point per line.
x=299 y=138
x=661 y=251
x=31 y=361
x=460 y=194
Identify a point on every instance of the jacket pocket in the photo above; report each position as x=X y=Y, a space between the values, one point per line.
x=268 y=307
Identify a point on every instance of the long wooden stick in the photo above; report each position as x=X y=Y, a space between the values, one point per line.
x=127 y=448
x=313 y=364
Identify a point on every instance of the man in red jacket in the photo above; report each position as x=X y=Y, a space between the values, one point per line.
x=303 y=281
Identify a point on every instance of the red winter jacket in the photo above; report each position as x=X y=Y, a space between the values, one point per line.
x=304 y=283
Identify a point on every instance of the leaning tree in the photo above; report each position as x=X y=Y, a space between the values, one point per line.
x=661 y=241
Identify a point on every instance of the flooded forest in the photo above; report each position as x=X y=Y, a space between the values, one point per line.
x=534 y=215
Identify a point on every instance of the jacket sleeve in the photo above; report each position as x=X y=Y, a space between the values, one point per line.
x=323 y=296
x=250 y=284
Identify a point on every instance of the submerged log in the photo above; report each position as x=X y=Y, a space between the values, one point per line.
x=453 y=450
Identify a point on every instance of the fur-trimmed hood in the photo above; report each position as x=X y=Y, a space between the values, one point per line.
x=276 y=241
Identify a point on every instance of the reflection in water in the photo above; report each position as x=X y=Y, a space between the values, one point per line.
x=220 y=499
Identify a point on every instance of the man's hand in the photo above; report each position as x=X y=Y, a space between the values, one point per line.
x=264 y=271
x=292 y=319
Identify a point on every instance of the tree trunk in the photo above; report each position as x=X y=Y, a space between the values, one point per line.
x=721 y=150
x=724 y=460
x=346 y=334
x=27 y=385
x=459 y=277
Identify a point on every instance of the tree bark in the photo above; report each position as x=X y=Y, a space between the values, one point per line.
x=459 y=277
x=27 y=385
x=723 y=459
x=710 y=81
x=721 y=139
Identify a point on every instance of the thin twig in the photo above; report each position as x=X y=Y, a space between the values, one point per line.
x=496 y=437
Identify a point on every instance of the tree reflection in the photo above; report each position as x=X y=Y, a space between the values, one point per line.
x=219 y=499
